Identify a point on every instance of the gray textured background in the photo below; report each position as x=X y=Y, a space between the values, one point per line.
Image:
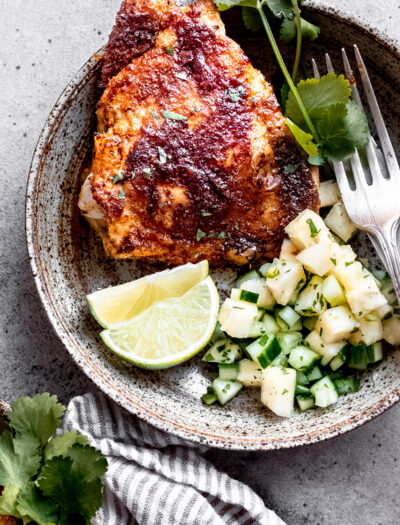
x=350 y=480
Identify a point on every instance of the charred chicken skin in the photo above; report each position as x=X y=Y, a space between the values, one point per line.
x=192 y=158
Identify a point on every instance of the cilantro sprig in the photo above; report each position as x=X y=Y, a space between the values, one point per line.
x=47 y=480
x=324 y=120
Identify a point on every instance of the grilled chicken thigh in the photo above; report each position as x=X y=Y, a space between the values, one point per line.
x=192 y=158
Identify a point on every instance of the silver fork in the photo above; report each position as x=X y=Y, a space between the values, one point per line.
x=374 y=203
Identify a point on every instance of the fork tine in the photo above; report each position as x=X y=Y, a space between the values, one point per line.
x=350 y=77
x=392 y=164
x=315 y=69
x=329 y=66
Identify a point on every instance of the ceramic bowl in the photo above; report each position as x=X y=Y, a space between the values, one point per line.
x=68 y=262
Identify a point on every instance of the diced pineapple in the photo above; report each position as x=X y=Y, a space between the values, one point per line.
x=249 y=373
x=336 y=324
x=383 y=311
x=306 y=229
x=342 y=252
x=277 y=390
x=317 y=258
x=329 y=193
x=235 y=293
x=349 y=273
x=284 y=278
x=288 y=250
x=236 y=317
x=369 y=332
x=339 y=222
x=328 y=351
x=259 y=286
x=311 y=301
x=365 y=297
x=333 y=292
x=391 y=330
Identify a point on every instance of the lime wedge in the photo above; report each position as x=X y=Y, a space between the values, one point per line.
x=123 y=302
x=169 y=331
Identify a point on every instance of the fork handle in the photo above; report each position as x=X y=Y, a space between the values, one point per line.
x=387 y=238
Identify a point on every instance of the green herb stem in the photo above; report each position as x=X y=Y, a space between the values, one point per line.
x=299 y=39
x=285 y=72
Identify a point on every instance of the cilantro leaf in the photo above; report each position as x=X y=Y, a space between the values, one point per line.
x=289 y=30
x=304 y=139
x=172 y=115
x=251 y=19
x=281 y=8
x=357 y=125
x=30 y=502
x=59 y=445
x=88 y=463
x=317 y=94
x=38 y=416
x=60 y=480
x=19 y=459
x=8 y=502
x=224 y=5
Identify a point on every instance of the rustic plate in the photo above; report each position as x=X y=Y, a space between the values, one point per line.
x=68 y=262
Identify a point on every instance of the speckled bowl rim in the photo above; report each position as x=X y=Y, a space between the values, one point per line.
x=132 y=405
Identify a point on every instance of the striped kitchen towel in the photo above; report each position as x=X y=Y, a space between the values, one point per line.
x=155 y=478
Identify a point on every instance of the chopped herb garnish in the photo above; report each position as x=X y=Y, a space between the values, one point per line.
x=205 y=213
x=197 y=254
x=285 y=391
x=172 y=115
x=162 y=155
x=348 y=263
x=197 y=109
x=272 y=272
x=121 y=194
x=170 y=50
x=133 y=176
x=222 y=235
x=320 y=331
x=199 y=235
x=147 y=173
x=236 y=93
x=182 y=75
x=313 y=229
x=209 y=357
x=334 y=261
x=226 y=388
x=117 y=177
x=289 y=168
x=155 y=114
x=161 y=204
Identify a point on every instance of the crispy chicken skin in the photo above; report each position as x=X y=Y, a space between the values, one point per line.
x=192 y=159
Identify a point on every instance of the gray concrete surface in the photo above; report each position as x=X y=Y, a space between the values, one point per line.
x=350 y=480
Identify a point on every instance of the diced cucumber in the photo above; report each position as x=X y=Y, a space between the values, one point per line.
x=249 y=373
x=384 y=312
x=391 y=330
x=325 y=392
x=226 y=390
x=336 y=324
x=228 y=371
x=329 y=193
x=288 y=340
x=302 y=358
x=264 y=350
x=289 y=316
x=209 y=398
x=236 y=318
x=270 y=325
x=317 y=258
x=369 y=332
x=235 y=294
x=302 y=390
x=389 y=291
x=305 y=230
x=257 y=329
x=333 y=292
x=264 y=269
x=305 y=403
x=311 y=302
x=249 y=297
x=347 y=385
x=258 y=286
x=283 y=278
x=280 y=360
x=222 y=351
x=375 y=352
x=301 y=378
x=340 y=359
x=277 y=390
x=314 y=374
x=358 y=357
x=310 y=322
x=339 y=222
x=283 y=327
x=252 y=274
